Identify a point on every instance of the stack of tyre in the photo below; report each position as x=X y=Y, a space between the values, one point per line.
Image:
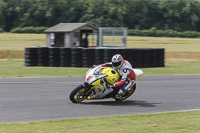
x=65 y=57
x=133 y=56
x=31 y=56
x=107 y=55
x=145 y=57
x=76 y=57
x=88 y=57
x=54 y=57
x=43 y=56
x=84 y=57
x=161 y=57
x=153 y=58
x=98 y=56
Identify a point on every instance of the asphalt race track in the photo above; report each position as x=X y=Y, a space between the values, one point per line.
x=37 y=99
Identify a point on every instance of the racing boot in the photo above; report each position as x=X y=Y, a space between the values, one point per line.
x=120 y=94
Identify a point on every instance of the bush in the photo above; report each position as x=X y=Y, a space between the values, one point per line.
x=29 y=30
x=191 y=34
x=162 y=33
x=1 y=30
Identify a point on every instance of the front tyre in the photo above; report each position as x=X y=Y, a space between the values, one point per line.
x=128 y=93
x=78 y=94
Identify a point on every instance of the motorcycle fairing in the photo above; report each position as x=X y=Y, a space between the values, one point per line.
x=96 y=80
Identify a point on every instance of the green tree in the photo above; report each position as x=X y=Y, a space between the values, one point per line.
x=142 y=14
x=2 y=9
x=10 y=14
x=180 y=15
x=49 y=13
x=104 y=12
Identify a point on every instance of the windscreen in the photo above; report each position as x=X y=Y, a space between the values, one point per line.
x=98 y=71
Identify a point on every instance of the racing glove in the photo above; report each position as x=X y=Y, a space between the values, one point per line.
x=111 y=85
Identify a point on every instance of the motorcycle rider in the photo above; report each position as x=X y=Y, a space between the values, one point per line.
x=125 y=70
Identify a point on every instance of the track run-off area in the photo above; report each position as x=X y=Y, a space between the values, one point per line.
x=47 y=98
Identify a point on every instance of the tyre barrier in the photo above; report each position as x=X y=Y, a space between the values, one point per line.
x=31 y=56
x=65 y=57
x=76 y=57
x=43 y=56
x=134 y=57
x=98 y=56
x=86 y=57
x=108 y=54
x=54 y=57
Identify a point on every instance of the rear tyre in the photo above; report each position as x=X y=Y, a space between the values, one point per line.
x=128 y=93
x=78 y=94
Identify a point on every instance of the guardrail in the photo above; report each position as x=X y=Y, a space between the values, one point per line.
x=86 y=57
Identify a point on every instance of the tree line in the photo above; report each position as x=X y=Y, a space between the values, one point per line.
x=178 y=15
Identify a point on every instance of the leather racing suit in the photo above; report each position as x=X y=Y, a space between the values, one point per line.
x=127 y=76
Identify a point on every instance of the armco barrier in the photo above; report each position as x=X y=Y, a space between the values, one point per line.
x=86 y=57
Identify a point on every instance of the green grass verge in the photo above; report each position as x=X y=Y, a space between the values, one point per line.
x=174 y=68
x=11 y=54
x=16 y=68
x=170 y=44
x=176 y=122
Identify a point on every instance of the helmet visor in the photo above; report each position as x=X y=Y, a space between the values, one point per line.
x=116 y=64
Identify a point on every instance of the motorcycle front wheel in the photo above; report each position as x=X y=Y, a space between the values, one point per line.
x=78 y=94
x=128 y=93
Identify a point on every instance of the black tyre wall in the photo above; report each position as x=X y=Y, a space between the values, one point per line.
x=65 y=57
x=54 y=57
x=88 y=57
x=98 y=55
x=108 y=54
x=84 y=57
x=145 y=54
x=43 y=56
x=161 y=57
x=31 y=56
x=133 y=56
x=76 y=57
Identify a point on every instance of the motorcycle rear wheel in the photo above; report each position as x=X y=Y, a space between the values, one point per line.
x=78 y=94
x=128 y=93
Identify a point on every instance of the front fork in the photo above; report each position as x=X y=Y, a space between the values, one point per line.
x=87 y=87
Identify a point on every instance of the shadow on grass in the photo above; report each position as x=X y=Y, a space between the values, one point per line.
x=122 y=103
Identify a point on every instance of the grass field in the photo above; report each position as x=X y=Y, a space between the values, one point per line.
x=12 y=45
x=12 y=41
x=170 y=44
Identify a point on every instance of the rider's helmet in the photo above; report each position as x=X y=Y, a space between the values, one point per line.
x=117 y=61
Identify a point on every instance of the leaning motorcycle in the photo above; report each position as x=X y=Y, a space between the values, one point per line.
x=97 y=85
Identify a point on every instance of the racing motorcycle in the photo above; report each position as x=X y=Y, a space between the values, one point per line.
x=97 y=85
